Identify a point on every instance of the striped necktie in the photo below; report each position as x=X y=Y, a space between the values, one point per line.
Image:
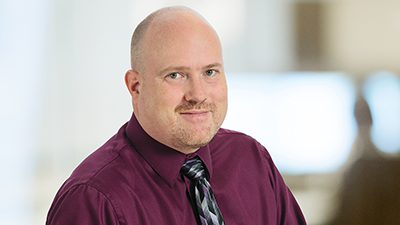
x=207 y=207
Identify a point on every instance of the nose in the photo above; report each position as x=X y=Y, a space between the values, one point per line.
x=196 y=89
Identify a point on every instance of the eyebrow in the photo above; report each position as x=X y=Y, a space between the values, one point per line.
x=212 y=66
x=173 y=68
x=180 y=68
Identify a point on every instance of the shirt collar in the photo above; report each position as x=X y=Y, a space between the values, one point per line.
x=165 y=161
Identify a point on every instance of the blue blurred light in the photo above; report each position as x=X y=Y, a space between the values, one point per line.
x=382 y=93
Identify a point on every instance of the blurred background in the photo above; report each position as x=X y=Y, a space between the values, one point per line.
x=316 y=82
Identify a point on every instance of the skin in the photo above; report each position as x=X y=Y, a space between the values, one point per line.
x=180 y=97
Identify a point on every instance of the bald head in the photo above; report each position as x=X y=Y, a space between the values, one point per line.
x=161 y=24
x=177 y=80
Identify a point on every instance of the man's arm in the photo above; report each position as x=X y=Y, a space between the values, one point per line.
x=289 y=212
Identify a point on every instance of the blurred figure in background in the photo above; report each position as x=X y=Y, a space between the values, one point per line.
x=370 y=192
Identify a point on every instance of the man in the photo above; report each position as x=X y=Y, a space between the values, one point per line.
x=143 y=174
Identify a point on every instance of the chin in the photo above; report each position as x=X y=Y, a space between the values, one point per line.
x=193 y=139
x=204 y=137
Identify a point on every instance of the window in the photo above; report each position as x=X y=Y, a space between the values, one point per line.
x=305 y=120
x=382 y=93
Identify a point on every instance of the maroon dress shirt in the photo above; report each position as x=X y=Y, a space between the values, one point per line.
x=133 y=179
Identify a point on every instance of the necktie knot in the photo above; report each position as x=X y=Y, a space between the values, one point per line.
x=194 y=169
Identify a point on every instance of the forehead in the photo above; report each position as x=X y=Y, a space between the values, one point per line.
x=177 y=20
x=179 y=33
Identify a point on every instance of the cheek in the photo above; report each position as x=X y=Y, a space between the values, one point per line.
x=220 y=93
x=165 y=99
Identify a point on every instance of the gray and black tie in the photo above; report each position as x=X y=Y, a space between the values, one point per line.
x=206 y=204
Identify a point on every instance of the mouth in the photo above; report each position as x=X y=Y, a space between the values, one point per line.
x=195 y=112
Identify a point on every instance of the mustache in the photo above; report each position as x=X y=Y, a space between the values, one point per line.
x=194 y=105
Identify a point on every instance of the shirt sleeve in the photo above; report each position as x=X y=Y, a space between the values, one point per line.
x=82 y=204
x=289 y=212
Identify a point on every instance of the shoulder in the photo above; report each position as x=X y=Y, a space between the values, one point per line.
x=224 y=131
x=240 y=143
x=92 y=184
x=232 y=137
x=101 y=165
x=80 y=204
x=243 y=155
x=100 y=161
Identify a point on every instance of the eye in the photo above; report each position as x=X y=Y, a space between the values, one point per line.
x=174 y=75
x=210 y=72
x=175 y=78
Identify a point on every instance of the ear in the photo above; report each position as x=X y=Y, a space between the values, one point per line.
x=133 y=81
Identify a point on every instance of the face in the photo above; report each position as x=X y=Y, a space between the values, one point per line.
x=182 y=95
